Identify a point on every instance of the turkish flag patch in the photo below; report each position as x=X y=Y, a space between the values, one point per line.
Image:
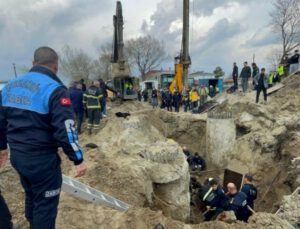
x=65 y=101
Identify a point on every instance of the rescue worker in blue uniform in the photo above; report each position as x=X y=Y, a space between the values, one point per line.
x=215 y=200
x=76 y=95
x=237 y=203
x=36 y=117
x=250 y=190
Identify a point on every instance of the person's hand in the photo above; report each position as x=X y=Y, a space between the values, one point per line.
x=80 y=169
x=3 y=157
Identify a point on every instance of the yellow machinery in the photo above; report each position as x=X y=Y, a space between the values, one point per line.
x=183 y=61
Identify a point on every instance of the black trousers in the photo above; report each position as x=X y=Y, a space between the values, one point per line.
x=79 y=119
x=5 y=216
x=258 y=91
x=41 y=178
x=94 y=118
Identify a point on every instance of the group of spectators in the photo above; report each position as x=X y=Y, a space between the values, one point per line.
x=261 y=81
x=90 y=103
x=190 y=99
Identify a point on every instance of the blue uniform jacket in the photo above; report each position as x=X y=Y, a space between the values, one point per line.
x=251 y=193
x=76 y=96
x=36 y=116
x=238 y=204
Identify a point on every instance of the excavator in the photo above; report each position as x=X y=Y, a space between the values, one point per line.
x=183 y=61
x=121 y=81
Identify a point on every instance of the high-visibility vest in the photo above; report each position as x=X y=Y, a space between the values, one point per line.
x=194 y=96
x=270 y=79
x=280 y=70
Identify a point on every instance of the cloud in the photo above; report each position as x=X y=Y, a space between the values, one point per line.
x=221 y=31
x=263 y=36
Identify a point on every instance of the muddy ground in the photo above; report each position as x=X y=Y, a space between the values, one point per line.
x=268 y=138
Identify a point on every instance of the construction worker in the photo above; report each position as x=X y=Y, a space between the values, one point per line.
x=36 y=117
x=245 y=75
x=270 y=79
x=250 y=190
x=261 y=82
x=212 y=91
x=280 y=73
x=76 y=95
x=194 y=97
x=237 y=202
x=92 y=102
x=215 y=200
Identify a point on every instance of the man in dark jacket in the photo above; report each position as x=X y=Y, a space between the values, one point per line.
x=176 y=100
x=154 y=97
x=237 y=203
x=92 y=102
x=261 y=82
x=294 y=62
x=255 y=71
x=145 y=95
x=250 y=190
x=83 y=85
x=245 y=75
x=215 y=200
x=103 y=89
x=235 y=75
x=76 y=96
x=36 y=117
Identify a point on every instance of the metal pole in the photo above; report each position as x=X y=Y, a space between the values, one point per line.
x=185 y=39
x=15 y=71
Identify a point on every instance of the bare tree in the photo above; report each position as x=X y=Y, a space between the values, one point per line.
x=145 y=53
x=103 y=63
x=286 y=22
x=76 y=64
x=274 y=58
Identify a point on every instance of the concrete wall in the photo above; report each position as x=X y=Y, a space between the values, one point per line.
x=220 y=136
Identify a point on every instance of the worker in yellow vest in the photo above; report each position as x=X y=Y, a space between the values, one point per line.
x=280 y=73
x=271 y=78
x=194 y=97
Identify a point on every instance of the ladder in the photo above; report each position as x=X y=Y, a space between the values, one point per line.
x=87 y=193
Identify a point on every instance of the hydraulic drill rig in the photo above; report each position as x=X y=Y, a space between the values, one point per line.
x=183 y=61
x=122 y=82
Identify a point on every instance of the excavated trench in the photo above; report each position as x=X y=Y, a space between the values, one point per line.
x=219 y=139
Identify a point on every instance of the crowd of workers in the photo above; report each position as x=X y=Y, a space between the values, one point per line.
x=190 y=99
x=90 y=102
x=213 y=199
x=261 y=80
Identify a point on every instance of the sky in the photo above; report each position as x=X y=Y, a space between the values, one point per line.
x=221 y=31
